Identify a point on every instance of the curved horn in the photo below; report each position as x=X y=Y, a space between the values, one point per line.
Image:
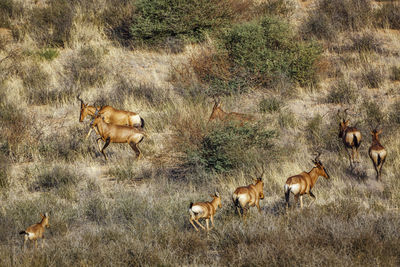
x=317 y=157
x=79 y=98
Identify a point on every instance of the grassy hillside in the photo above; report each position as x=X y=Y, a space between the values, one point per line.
x=291 y=64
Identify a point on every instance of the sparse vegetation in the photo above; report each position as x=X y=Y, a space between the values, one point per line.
x=291 y=65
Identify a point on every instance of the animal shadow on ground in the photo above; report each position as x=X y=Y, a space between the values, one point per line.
x=358 y=173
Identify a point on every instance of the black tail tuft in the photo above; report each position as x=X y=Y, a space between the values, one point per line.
x=191 y=205
x=355 y=141
x=379 y=160
x=142 y=121
x=237 y=202
x=23 y=233
x=287 y=195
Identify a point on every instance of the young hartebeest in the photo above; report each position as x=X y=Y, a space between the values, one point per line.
x=377 y=153
x=204 y=210
x=249 y=196
x=218 y=113
x=351 y=138
x=303 y=183
x=111 y=133
x=36 y=231
x=111 y=115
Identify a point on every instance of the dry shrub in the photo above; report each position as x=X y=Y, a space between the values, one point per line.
x=366 y=42
x=372 y=77
x=395 y=73
x=388 y=16
x=342 y=92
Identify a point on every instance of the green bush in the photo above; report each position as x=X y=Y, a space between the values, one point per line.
x=51 y=25
x=48 y=54
x=156 y=21
x=267 y=48
x=228 y=147
x=342 y=92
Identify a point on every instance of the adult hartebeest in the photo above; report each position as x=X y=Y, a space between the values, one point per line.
x=204 y=210
x=351 y=138
x=303 y=183
x=111 y=115
x=218 y=113
x=36 y=231
x=377 y=153
x=249 y=196
x=111 y=133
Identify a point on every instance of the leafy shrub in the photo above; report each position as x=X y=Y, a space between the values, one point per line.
x=270 y=105
x=51 y=25
x=388 y=16
x=332 y=16
x=155 y=21
x=48 y=54
x=342 y=92
x=395 y=73
x=372 y=77
x=228 y=147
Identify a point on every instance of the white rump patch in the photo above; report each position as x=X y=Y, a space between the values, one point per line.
x=197 y=209
x=136 y=120
x=295 y=189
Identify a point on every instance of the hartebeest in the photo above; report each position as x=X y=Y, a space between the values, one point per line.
x=303 y=183
x=351 y=138
x=36 y=231
x=218 y=113
x=111 y=133
x=111 y=115
x=249 y=196
x=204 y=210
x=377 y=153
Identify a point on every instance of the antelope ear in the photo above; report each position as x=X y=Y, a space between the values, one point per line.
x=211 y=195
x=372 y=132
x=41 y=215
x=216 y=194
x=46 y=214
x=379 y=131
x=347 y=122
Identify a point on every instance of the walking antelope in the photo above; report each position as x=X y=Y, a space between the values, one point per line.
x=204 y=210
x=303 y=183
x=218 y=113
x=377 y=153
x=111 y=115
x=111 y=133
x=351 y=137
x=36 y=231
x=249 y=196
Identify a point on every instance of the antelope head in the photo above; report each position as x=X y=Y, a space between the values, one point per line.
x=375 y=134
x=258 y=182
x=84 y=110
x=320 y=166
x=216 y=197
x=45 y=220
x=343 y=124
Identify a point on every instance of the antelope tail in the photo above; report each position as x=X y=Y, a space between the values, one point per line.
x=379 y=160
x=23 y=233
x=191 y=205
x=235 y=199
x=287 y=193
x=355 y=141
x=142 y=121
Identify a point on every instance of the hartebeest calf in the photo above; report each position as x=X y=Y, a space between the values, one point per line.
x=377 y=153
x=111 y=115
x=351 y=138
x=111 y=133
x=36 y=231
x=218 y=113
x=204 y=210
x=249 y=196
x=302 y=183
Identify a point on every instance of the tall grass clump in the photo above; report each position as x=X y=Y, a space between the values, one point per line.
x=53 y=177
x=9 y=10
x=395 y=73
x=388 y=16
x=333 y=16
x=228 y=146
x=50 y=24
x=342 y=92
x=4 y=172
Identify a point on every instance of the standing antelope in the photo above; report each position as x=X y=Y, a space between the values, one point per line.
x=204 y=210
x=111 y=133
x=218 y=113
x=111 y=115
x=351 y=137
x=377 y=153
x=36 y=231
x=303 y=183
x=249 y=196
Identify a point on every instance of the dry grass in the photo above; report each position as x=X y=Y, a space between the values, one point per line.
x=128 y=212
